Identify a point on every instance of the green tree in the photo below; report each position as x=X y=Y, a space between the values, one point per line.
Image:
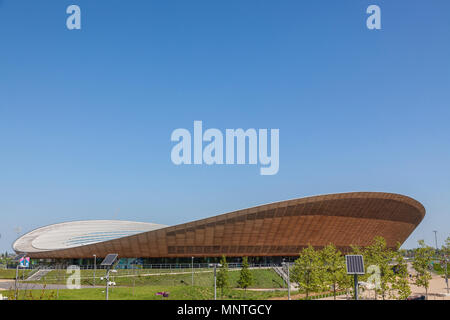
x=446 y=255
x=422 y=260
x=379 y=255
x=345 y=282
x=245 y=277
x=400 y=283
x=222 y=276
x=446 y=247
x=307 y=270
x=333 y=267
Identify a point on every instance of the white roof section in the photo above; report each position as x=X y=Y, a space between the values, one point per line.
x=79 y=233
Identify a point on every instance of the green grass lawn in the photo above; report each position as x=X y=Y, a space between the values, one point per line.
x=145 y=293
x=145 y=287
x=87 y=276
x=263 y=278
x=11 y=273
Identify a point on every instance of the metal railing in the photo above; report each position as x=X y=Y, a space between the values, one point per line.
x=181 y=266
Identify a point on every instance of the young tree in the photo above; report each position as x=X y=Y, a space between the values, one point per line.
x=245 y=276
x=446 y=257
x=345 y=282
x=422 y=260
x=307 y=270
x=333 y=266
x=380 y=256
x=222 y=275
x=446 y=247
x=400 y=284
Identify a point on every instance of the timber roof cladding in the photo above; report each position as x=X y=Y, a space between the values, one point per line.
x=281 y=228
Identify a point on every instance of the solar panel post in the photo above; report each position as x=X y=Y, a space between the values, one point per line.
x=355 y=266
x=109 y=261
x=107 y=284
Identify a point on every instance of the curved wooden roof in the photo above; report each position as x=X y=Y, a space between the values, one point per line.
x=277 y=229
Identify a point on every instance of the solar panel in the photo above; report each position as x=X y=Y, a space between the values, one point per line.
x=109 y=259
x=355 y=264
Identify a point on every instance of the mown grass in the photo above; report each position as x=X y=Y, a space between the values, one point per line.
x=11 y=273
x=145 y=293
x=263 y=278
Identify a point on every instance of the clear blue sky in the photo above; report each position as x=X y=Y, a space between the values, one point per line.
x=86 y=116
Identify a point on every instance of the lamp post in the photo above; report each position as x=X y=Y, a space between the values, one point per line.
x=95 y=267
x=192 y=265
x=215 y=282
x=215 y=278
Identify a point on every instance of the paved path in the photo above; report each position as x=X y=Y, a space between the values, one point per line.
x=436 y=291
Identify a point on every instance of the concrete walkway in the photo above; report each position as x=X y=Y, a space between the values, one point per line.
x=436 y=291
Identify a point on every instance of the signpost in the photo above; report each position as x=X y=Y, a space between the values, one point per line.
x=23 y=262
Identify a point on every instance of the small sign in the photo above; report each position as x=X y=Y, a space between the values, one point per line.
x=24 y=262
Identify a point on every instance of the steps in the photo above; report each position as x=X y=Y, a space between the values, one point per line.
x=281 y=271
x=36 y=276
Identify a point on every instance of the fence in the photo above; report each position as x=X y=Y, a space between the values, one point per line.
x=183 y=266
x=199 y=275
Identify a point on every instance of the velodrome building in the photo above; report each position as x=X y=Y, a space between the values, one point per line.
x=279 y=229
